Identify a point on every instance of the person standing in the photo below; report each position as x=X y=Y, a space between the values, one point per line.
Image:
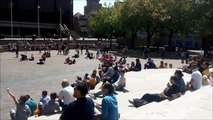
x=109 y=105
x=82 y=108
x=98 y=53
x=17 y=50
x=163 y=53
x=81 y=47
x=145 y=52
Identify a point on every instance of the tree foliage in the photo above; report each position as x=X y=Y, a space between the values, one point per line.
x=154 y=16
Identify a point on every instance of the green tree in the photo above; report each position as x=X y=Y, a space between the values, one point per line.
x=145 y=15
x=179 y=19
x=130 y=18
x=105 y=22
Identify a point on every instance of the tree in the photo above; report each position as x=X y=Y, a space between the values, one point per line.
x=145 y=15
x=131 y=17
x=203 y=17
x=154 y=16
x=180 y=17
x=106 y=21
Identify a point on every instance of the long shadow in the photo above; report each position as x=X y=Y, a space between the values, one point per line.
x=139 y=54
x=155 y=54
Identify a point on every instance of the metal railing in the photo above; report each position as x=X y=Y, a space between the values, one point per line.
x=28 y=24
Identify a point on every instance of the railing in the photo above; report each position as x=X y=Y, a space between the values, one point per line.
x=65 y=30
x=28 y=24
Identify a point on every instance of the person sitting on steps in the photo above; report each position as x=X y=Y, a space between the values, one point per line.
x=170 y=92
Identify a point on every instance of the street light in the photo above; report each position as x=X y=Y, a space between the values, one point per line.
x=38 y=19
x=11 y=17
x=60 y=23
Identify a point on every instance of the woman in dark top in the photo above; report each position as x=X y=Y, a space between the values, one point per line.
x=170 y=92
x=137 y=66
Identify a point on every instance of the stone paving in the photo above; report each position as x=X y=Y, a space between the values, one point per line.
x=27 y=77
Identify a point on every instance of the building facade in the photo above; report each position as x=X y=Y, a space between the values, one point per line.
x=92 y=5
x=29 y=15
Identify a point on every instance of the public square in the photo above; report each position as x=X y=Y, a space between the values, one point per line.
x=27 y=77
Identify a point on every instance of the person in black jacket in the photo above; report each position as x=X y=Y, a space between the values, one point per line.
x=82 y=108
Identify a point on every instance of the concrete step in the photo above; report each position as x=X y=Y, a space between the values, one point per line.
x=185 y=107
x=192 y=105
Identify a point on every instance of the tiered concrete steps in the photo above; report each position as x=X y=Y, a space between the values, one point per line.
x=192 y=105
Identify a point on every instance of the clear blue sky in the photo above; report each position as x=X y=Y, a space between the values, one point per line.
x=79 y=5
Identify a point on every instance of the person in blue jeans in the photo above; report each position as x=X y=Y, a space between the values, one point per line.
x=109 y=105
x=170 y=92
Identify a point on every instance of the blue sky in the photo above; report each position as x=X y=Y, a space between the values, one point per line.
x=79 y=5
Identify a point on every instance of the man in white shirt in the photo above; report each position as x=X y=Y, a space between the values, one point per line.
x=196 y=78
x=121 y=83
x=66 y=94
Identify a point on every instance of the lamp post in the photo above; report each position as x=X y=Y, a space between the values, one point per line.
x=38 y=19
x=60 y=23
x=11 y=17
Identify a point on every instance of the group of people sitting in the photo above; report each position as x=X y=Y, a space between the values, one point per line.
x=107 y=59
x=202 y=66
x=177 y=85
x=69 y=61
x=174 y=89
x=164 y=65
x=137 y=66
x=72 y=102
x=43 y=57
x=75 y=100
x=78 y=105
x=89 y=55
x=105 y=73
x=24 y=57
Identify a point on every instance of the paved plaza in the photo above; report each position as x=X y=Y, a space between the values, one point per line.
x=27 y=77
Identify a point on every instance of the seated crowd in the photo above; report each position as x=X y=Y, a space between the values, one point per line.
x=177 y=86
x=74 y=101
x=69 y=61
x=202 y=68
x=43 y=57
